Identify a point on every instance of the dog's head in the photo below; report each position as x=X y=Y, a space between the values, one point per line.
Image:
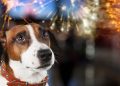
x=29 y=45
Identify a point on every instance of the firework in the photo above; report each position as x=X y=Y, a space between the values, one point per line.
x=78 y=14
x=22 y=9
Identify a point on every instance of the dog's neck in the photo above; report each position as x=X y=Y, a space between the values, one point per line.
x=31 y=76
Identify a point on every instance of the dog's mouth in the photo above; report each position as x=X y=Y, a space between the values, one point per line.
x=44 y=66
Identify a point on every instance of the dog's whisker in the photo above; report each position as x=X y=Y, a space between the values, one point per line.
x=56 y=61
x=58 y=56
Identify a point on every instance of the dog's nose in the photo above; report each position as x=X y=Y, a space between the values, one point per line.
x=44 y=55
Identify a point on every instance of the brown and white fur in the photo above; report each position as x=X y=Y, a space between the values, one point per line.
x=26 y=47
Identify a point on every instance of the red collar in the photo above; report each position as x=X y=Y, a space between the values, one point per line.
x=12 y=81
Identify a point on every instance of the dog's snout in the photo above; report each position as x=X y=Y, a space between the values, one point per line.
x=44 y=55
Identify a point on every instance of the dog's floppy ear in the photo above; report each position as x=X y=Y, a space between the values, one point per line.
x=2 y=38
x=2 y=44
x=55 y=46
x=3 y=53
x=53 y=42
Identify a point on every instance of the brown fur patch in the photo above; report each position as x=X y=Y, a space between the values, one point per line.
x=14 y=50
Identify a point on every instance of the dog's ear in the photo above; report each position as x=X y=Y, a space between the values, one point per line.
x=2 y=38
x=58 y=52
x=2 y=45
x=53 y=42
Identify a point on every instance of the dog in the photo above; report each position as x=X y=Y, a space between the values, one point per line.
x=26 y=56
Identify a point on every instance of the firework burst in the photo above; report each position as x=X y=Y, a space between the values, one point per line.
x=24 y=8
x=79 y=14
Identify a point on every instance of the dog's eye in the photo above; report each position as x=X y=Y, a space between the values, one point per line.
x=44 y=33
x=20 y=38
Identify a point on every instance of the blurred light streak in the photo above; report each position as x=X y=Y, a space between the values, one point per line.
x=81 y=14
x=78 y=14
x=36 y=8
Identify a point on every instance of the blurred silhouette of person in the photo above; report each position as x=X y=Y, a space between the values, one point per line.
x=72 y=56
x=66 y=67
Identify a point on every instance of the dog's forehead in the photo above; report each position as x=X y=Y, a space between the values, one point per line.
x=15 y=30
x=21 y=28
